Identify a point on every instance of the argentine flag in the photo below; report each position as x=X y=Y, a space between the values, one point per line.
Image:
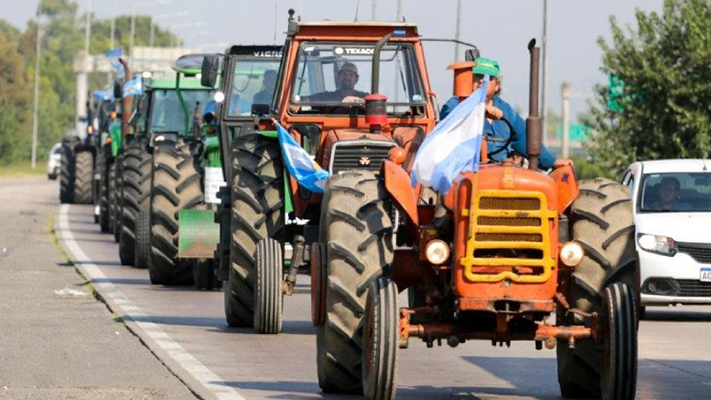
x=134 y=87
x=300 y=165
x=454 y=146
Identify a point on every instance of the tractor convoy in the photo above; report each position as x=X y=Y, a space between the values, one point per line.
x=242 y=169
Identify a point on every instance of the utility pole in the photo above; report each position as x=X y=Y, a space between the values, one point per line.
x=399 y=11
x=457 y=33
x=35 y=112
x=565 y=91
x=372 y=11
x=87 y=37
x=133 y=28
x=544 y=74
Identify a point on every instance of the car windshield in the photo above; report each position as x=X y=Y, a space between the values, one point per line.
x=253 y=83
x=675 y=192
x=167 y=114
x=340 y=75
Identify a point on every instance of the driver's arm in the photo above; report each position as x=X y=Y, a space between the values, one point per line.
x=518 y=143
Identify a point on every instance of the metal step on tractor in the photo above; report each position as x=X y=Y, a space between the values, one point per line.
x=270 y=223
x=247 y=78
x=508 y=253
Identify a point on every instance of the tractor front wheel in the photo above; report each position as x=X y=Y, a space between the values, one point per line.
x=83 y=177
x=268 y=295
x=380 y=340
x=619 y=328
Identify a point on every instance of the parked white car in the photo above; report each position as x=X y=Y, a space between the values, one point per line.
x=672 y=214
x=54 y=161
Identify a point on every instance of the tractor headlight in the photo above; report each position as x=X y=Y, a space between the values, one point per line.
x=663 y=245
x=571 y=254
x=437 y=252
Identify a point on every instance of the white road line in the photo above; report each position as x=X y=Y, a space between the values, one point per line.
x=107 y=289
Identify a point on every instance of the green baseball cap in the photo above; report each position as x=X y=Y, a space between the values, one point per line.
x=485 y=66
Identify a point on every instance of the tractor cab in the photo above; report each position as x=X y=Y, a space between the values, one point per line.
x=349 y=92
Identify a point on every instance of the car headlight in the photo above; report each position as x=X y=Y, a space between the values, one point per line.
x=657 y=244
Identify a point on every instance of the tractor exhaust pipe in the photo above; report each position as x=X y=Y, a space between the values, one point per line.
x=376 y=111
x=125 y=102
x=533 y=122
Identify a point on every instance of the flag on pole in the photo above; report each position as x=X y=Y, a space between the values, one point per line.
x=454 y=146
x=113 y=56
x=300 y=164
x=134 y=87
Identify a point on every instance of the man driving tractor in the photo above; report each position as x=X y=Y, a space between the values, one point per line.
x=502 y=121
x=346 y=93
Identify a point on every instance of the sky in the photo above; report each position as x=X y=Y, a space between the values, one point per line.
x=500 y=29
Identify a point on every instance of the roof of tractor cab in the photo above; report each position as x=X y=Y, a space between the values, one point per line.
x=189 y=64
x=185 y=84
x=367 y=30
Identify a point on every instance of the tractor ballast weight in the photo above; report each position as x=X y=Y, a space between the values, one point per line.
x=493 y=258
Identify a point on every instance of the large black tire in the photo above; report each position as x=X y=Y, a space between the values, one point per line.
x=358 y=230
x=257 y=214
x=268 y=295
x=117 y=196
x=380 y=340
x=620 y=343
x=601 y=221
x=104 y=200
x=176 y=186
x=83 y=177
x=223 y=217
x=66 y=175
x=135 y=201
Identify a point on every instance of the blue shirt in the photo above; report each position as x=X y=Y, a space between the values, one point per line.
x=510 y=125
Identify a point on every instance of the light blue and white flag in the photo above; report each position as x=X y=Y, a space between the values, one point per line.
x=113 y=56
x=300 y=165
x=134 y=87
x=454 y=146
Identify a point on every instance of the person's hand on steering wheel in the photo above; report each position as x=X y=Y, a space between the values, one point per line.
x=353 y=100
x=493 y=112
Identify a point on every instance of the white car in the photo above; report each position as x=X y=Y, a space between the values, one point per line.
x=672 y=214
x=54 y=161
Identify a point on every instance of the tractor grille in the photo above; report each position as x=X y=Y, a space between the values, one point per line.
x=698 y=251
x=509 y=203
x=358 y=154
x=509 y=231
x=694 y=288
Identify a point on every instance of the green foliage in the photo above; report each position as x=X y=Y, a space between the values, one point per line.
x=62 y=37
x=665 y=105
x=587 y=168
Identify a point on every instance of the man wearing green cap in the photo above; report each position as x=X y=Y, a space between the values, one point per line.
x=502 y=121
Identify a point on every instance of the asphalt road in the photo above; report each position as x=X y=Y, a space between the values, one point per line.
x=56 y=340
x=185 y=328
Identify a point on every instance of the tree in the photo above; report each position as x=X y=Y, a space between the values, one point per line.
x=665 y=101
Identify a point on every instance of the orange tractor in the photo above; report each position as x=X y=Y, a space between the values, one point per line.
x=509 y=253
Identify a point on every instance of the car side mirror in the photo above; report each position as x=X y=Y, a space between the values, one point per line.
x=209 y=70
x=259 y=110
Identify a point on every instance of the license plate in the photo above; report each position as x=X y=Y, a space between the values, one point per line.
x=705 y=275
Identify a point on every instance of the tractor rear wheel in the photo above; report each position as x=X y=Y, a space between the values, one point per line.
x=176 y=186
x=257 y=214
x=136 y=206
x=83 y=177
x=268 y=295
x=117 y=196
x=66 y=175
x=358 y=231
x=104 y=198
x=380 y=340
x=601 y=222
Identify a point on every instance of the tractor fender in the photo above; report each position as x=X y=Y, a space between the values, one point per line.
x=398 y=184
x=568 y=191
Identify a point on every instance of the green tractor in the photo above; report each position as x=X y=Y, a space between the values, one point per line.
x=172 y=113
x=248 y=75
